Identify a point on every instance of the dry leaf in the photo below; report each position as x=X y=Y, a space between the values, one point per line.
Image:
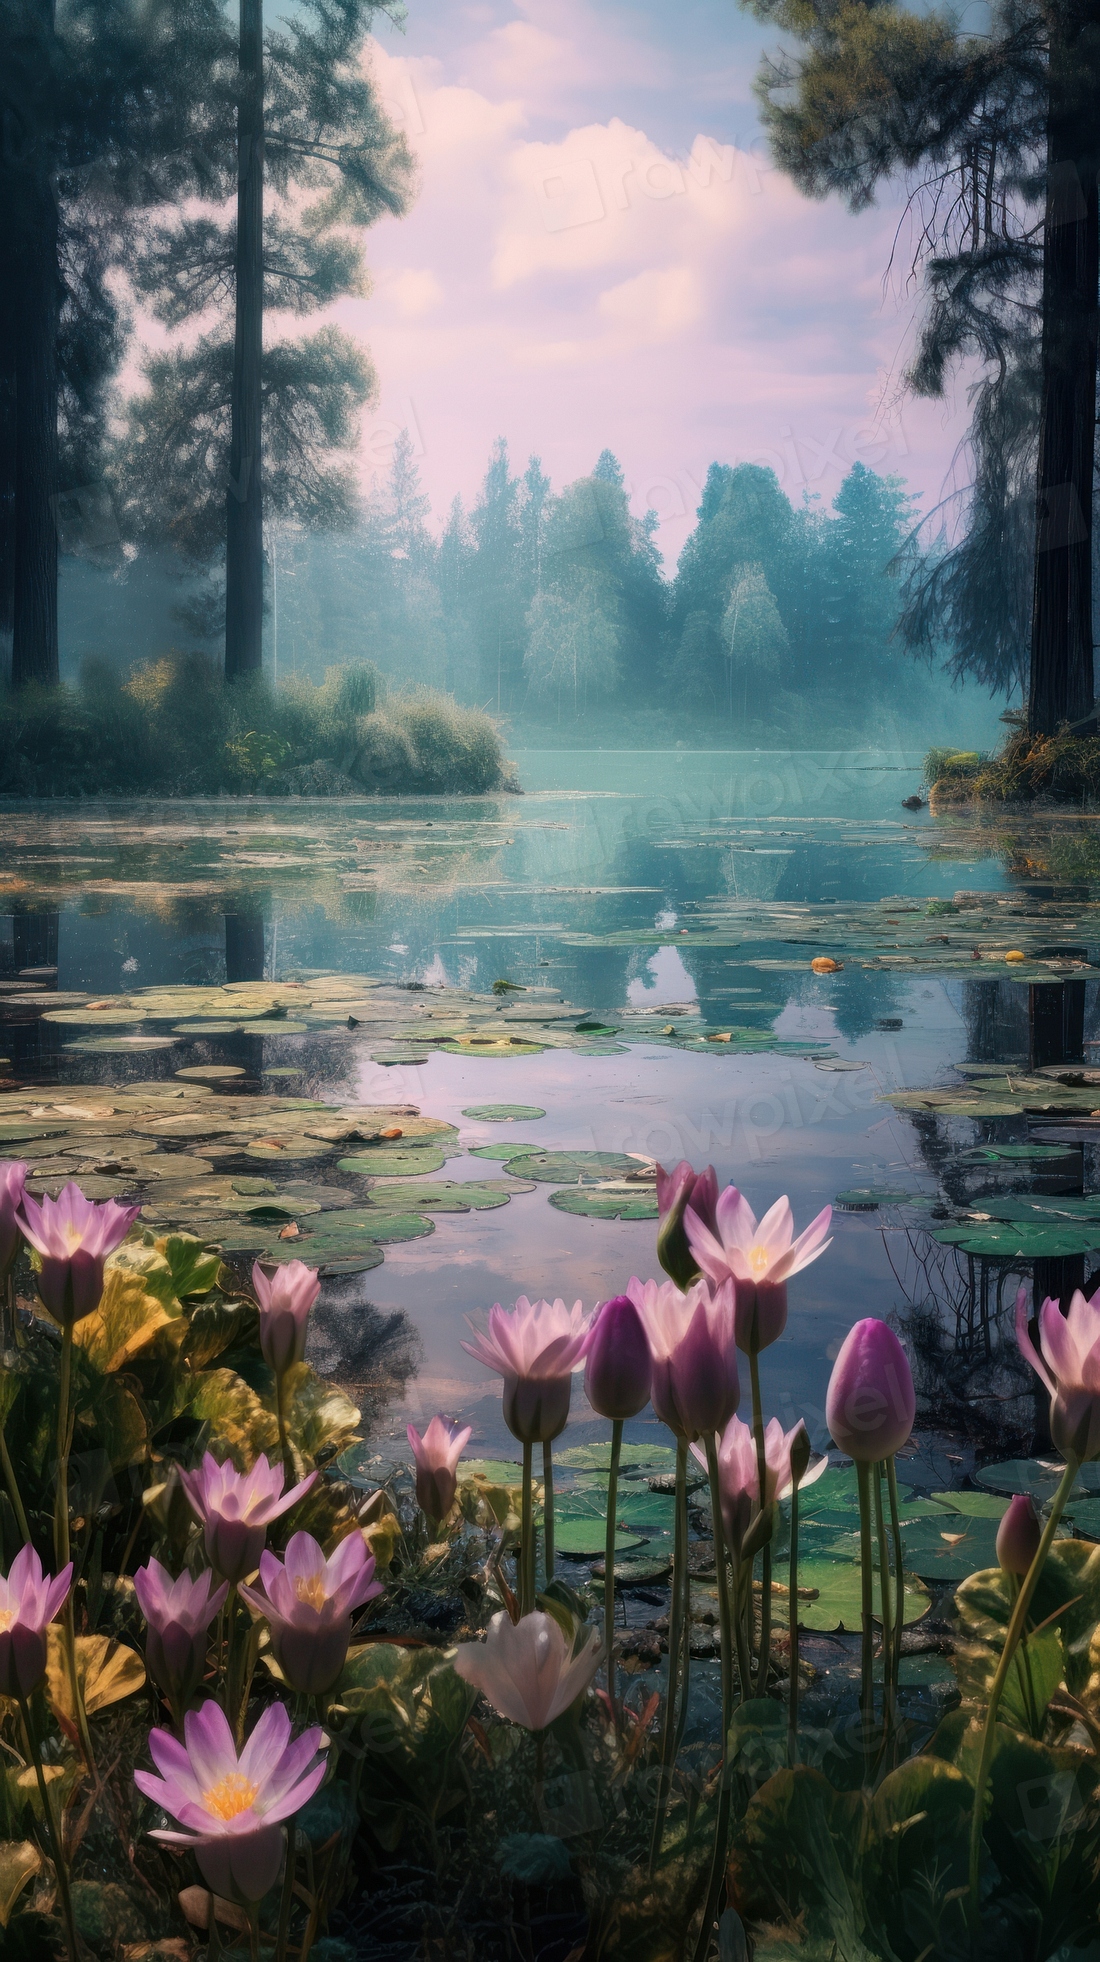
x=824 y=964
x=107 y=1672
x=195 y=1902
x=20 y=1860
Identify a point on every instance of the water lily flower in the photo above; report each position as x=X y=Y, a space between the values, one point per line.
x=1068 y=1361
x=676 y=1190
x=178 y=1614
x=1018 y=1536
x=13 y=1178
x=759 y=1256
x=285 y=1299
x=527 y=1670
x=692 y=1340
x=233 y=1806
x=308 y=1603
x=618 y=1367
x=535 y=1347
x=236 y=1509
x=437 y=1454
x=870 y=1403
x=739 y=1471
x=29 y=1599
x=73 y=1237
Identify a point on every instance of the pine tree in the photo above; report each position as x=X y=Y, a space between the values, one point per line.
x=303 y=122
x=998 y=139
x=498 y=593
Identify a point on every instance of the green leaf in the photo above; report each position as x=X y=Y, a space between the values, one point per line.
x=606 y=1202
x=442 y=1195
x=868 y=1198
x=20 y=1860
x=395 y=1161
x=1040 y=1477
x=503 y=1113
x=577 y=1167
x=597 y=1457
x=1022 y=1240
x=838 y=1599
x=580 y=1538
x=194 y=1271
x=798 y=1844
x=498 y=1471
x=972 y=1505
x=501 y=1151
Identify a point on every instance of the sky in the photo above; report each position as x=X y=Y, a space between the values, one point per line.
x=601 y=254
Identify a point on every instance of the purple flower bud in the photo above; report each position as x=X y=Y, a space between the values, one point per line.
x=13 y=1179
x=178 y=1614
x=870 y=1404
x=676 y=1190
x=1018 y=1535
x=437 y=1454
x=618 y=1369
x=695 y=1385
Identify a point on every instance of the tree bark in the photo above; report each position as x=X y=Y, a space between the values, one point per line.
x=244 y=535
x=1061 y=630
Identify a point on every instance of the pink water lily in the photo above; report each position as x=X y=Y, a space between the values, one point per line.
x=527 y=1670
x=308 y=1602
x=236 y=1509
x=694 y=1386
x=1068 y=1361
x=178 y=1615
x=676 y=1190
x=233 y=1806
x=758 y=1256
x=535 y=1347
x=13 y=1178
x=618 y=1370
x=285 y=1299
x=739 y=1472
x=29 y=1600
x=73 y=1238
x=437 y=1454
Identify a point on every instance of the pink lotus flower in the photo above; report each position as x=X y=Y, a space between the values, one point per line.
x=1018 y=1536
x=759 y=1257
x=676 y=1190
x=73 y=1238
x=1068 y=1361
x=13 y=1178
x=308 y=1602
x=285 y=1301
x=870 y=1403
x=527 y=1670
x=618 y=1368
x=236 y=1509
x=739 y=1472
x=535 y=1348
x=233 y=1807
x=29 y=1600
x=178 y=1614
x=437 y=1454
x=695 y=1386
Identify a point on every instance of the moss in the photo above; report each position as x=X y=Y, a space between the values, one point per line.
x=173 y=727
x=1063 y=768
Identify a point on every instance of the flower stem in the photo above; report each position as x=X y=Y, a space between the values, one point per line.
x=280 y=1410
x=254 y=1931
x=899 y=1566
x=721 y=1822
x=888 y=1681
x=867 y=1669
x=548 y=1507
x=527 y=1536
x=61 y=1537
x=792 y=1627
x=609 y=1564
x=232 y=1674
x=667 y=1757
x=763 y=1658
x=53 y=1833
x=1013 y=1633
x=286 y=1898
x=12 y=1487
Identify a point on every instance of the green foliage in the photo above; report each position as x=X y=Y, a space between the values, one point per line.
x=1063 y=768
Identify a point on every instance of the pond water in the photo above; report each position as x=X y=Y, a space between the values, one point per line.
x=659 y=892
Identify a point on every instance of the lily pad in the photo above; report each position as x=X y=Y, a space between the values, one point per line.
x=838 y=1588
x=1034 y=1475
x=579 y=1539
x=487 y=1045
x=1021 y=1240
x=973 y=1505
x=501 y=1152
x=1084 y=1515
x=868 y=1198
x=211 y=1072
x=444 y=1195
x=606 y=1202
x=503 y=1113
x=119 y=1045
x=345 y=1232
x=636 y=1570
x=578 y=1167
x=597 y=1457
x=498 y=1471
x=1011 y=1154
x=395 y=1161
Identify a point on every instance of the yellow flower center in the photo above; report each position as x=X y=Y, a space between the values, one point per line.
x=7 y=1616
x=759 y=1260
x=311 y=1589
x=231 y=1796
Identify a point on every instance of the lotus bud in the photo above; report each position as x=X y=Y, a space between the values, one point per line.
x=618 y=1369
x=1018 y=1536
x=13 y=1178
x=871 y=1403
x=799 y=1453
x=676 y=1190
x=437 y=1454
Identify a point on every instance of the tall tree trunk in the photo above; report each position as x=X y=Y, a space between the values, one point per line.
x=1061 y=629
x=34 y=654
x=7 y=475
x=244 y=529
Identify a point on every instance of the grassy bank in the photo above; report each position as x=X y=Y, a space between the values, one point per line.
x=1059 y=769
x=173 y=728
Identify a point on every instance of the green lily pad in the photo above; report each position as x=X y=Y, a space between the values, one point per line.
x=838 y=1584
x=498 y=1471
x=119 y=1045
x=925 y=1672
x=445 y=1195
x=360 y=1263
x=579 y=1539
x=1021 y=1240
x=636 y=1570
x=500 y=1151
x=395 y=1161
x=1010 y=1154
x=597 y=1457
x=210 y=1072
x=867 y=1198
x=573 y=1167
x=25 y=1133
x=1032 y=1475
x=503 y=1113
x=1084 y=1516
x=1036 y=1210
x=349 y=1230
x=606 y=1202
x=938 y=1559
x=490 y=1045
x=973 y=1505
x=391 y=1057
